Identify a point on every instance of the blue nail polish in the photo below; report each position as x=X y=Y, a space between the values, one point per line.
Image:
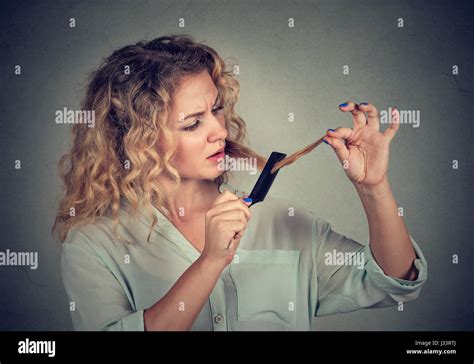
x=343 y=105
x=363 y=103
x=247 y=199
x=331 y=129
x=325 y=142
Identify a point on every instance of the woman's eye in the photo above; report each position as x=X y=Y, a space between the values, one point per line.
x=192 y=127
x=196 y=124
x=218 y=108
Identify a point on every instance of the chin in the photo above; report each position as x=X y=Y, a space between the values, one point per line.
x=214 y=173
x=204 y=175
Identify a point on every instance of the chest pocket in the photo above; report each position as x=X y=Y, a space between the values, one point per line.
x=266 y=284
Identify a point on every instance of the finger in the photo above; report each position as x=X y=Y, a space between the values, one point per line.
x=394 y=124
x=234 y=243
x=225 y=196
x=233 y=205
x=234 y=226
x=341 y=133
x=373 y=119
x=230 y=205
x=233 y=215
x=339 y=147
x=238 y=232
x=247 y=200
x=357 y=115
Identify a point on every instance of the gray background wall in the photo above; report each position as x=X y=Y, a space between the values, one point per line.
x=282 y=70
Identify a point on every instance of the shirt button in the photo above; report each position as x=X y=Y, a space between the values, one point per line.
x=218 y=318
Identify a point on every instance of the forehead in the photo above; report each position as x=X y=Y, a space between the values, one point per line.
x=194 y=91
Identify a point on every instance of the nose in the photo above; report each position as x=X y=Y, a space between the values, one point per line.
x=218 y=131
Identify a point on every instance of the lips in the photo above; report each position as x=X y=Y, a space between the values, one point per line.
x=216 y=157
x=217 y=153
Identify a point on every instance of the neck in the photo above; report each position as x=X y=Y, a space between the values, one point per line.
x=193 y=198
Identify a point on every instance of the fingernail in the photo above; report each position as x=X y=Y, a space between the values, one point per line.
x=325 y=141
x=247 y=199
x=343 y=105
x=363 y=103
x=331 y=130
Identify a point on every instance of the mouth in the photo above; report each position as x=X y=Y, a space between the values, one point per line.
x=219 y=154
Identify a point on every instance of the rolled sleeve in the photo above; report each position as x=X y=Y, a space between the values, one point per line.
x=401 y=289
x=97 y=299
x=345 y=288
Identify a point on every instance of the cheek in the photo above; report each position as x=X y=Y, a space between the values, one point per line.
x=191 y=147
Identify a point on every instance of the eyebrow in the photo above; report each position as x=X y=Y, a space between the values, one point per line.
x=201 y=113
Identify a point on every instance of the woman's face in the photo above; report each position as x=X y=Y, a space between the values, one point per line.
x=198 y=126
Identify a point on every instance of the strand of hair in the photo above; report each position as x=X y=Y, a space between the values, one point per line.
x=290 y=159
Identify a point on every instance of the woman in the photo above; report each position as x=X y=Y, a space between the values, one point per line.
x=154 y=239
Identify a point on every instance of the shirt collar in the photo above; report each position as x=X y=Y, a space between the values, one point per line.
x=165 y=228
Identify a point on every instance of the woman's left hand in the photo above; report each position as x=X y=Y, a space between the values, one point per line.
x=363 y=150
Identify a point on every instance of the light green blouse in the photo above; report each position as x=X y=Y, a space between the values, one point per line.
x=287 y=270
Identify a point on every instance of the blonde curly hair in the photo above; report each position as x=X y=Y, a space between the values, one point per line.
x=122 y=156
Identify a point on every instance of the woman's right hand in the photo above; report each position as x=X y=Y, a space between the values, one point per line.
x=226 y=222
